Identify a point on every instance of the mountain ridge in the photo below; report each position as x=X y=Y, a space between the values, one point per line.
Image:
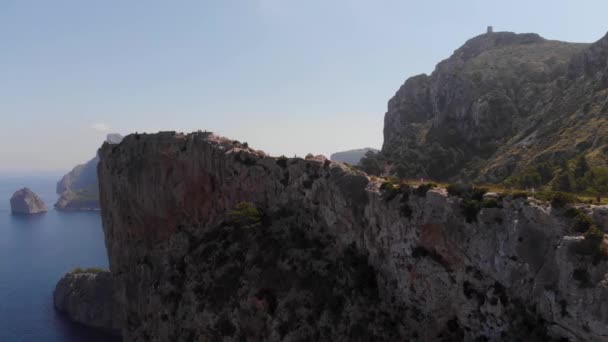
x=492 y=109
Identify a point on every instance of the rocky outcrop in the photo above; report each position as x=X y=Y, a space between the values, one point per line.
x=81 y=176
x=209 y=239
x=26 y=202
x=79 y=189
x=501 y=104
x=86 y=297
x=352 y=157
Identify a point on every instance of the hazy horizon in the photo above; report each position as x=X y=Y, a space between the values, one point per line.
x=280 y=75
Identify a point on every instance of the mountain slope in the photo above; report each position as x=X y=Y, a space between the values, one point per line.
x=501 y=103
x=78 y=189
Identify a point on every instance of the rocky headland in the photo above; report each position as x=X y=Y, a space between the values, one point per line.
x=209 y=239
x=78 y=190
x=26 y=202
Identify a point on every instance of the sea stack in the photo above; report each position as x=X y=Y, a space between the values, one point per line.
x=86 y=296
x=26 y=202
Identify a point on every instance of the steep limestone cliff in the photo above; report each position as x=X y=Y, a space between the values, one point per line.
x=502 y=103
x=209 y=239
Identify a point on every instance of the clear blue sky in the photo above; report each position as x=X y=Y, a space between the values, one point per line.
x=289 y=77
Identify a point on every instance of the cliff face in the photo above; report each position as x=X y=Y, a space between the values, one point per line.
x=501 y=103
x=26 y=202
x=210 y=239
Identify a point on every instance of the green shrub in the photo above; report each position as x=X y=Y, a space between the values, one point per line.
x=562 y=199
x=245 y=215
x=466 y=191
x=393 y=187
x=387 y=186
x=533 y=177
x=581 y=221
x=490 y=203
x=558 y=199
x=520 y=194
x=457 y=190
x=472 y=200
x=88 y=270
x=592 y=245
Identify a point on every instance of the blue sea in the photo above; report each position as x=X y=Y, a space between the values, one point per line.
x=35 y=251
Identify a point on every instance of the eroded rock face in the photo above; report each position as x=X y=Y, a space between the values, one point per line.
x=210 y=239
x=87 y=298
x=500 y=104
x=26 y=202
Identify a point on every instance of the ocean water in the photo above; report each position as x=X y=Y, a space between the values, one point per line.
x=35 y=251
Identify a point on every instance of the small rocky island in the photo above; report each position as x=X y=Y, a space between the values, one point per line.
x=26 y=202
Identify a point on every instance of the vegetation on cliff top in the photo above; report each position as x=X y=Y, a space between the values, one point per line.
x=246 y=215
x=88 y=270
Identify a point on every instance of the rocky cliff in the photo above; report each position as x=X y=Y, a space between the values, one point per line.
x=502 y=103
x=209 y=239
x=26 y=202
x=86 y=297
x=79 y=188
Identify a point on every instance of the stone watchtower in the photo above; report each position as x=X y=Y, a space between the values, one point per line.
x=490 y=29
